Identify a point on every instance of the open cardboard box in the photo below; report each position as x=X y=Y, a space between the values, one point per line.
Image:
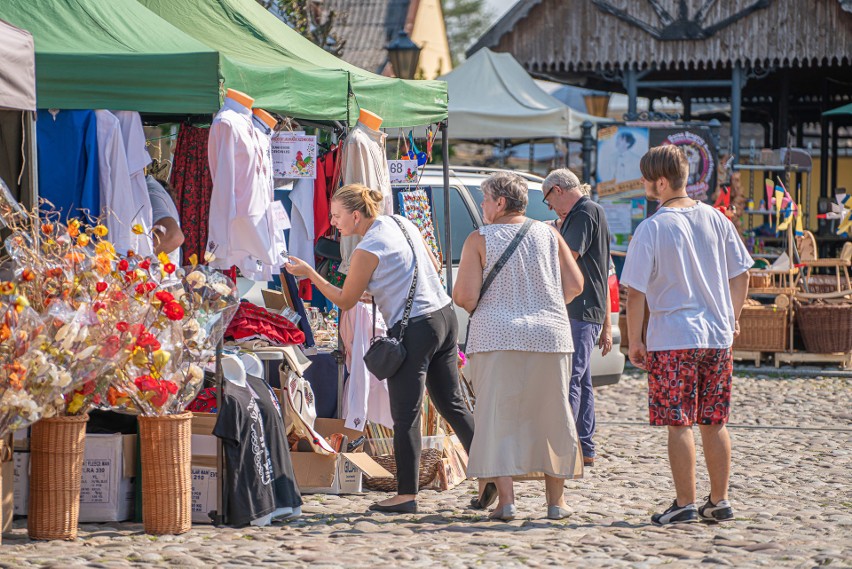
x=336 y=474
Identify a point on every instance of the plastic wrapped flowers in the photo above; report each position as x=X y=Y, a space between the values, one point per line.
x=99 y=327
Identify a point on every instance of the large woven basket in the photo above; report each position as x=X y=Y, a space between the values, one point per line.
x=5 y=456
x=825 y=328
x=430 y=463
x=56 y=467
x=165 y=445
x=762 y=328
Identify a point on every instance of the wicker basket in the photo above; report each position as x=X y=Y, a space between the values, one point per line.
x=430 y=463
x=821 y=284
x=5 y=456
x=825 y=328
x=762 y=328
x=758 y=279
x=56 y=467
x=166 y=475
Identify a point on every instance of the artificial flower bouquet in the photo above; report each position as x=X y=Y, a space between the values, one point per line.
x=105 y=329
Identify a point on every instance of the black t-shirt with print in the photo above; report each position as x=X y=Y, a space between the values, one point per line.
x=586 y=232
x=259 y=475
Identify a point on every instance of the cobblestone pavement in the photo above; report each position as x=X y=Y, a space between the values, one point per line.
x=791 y=490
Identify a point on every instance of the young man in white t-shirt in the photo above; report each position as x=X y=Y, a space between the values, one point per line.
x=690 y=265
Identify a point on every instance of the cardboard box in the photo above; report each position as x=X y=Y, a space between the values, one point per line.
x=7 y=485
x=22 y=482
x=336 y=474
x=205 y=475
x=107 y=488
x=205 y=472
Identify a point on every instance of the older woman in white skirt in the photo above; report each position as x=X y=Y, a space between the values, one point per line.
x=519 y=348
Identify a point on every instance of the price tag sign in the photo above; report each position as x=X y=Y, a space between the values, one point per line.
x=294 y=156
x=403 y=171
x=280 y=219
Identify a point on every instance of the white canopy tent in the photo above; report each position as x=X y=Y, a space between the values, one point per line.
x=17 y=74
x=493 y=98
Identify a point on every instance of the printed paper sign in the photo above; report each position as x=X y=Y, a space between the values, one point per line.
x=294 y=156
x=280 y=219
x=402 y=171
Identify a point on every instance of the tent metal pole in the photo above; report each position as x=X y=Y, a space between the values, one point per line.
x=588 y=146
x=448 y=234
x=219 y=517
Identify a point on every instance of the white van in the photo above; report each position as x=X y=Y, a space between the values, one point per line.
x=465 y=216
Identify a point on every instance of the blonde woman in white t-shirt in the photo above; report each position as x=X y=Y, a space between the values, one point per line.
x=519 y=348
x=383 y=265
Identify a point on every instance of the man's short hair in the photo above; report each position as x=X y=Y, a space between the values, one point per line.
x=629 y=138
x=668 y=162
x=563 y=177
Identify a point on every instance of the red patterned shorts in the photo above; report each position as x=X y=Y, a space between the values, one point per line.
x=687 y=387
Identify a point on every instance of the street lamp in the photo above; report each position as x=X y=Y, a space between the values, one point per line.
x=403 y=54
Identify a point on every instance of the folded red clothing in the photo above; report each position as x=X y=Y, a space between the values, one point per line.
x=252 y=320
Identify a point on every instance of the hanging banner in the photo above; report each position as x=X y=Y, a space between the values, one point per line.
x=294 y=156
x=619 y=150
x=701 y=154
x=402 y=171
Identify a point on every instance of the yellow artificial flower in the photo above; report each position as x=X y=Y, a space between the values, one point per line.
x=163 y=258
x=193 y=259
x=105 y=249
x=140 y=358
x=7 y=287
x=74 y=227
x=100 y=230
x=161 y=358
x=83 y=240
x=137 y=229
x=76 y=403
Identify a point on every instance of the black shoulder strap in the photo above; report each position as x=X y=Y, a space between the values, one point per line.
x=409 y=302
x=495 y=270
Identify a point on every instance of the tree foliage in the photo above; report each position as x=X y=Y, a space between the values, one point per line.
x=311 y=19
x=466 y=21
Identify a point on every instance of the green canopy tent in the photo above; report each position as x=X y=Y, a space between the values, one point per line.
x=285 y=72
x=839 y=111
x=92 y=54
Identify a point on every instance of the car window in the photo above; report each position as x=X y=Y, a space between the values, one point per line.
x=535 y=208
x=461 y=221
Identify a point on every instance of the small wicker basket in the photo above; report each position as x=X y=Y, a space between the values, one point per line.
x=759 y=279
x=825 y=328
x=57 y=445
x=430 y=464
x=762 y=328
x=165 y=444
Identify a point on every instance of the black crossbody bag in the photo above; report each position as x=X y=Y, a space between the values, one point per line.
x=386 y=354
x=495 y=270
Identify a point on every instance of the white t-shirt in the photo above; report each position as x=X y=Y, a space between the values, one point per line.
x=682 y=260
x=162 y=207
x=392 y=278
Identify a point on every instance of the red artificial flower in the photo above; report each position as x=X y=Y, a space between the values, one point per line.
x=170 y=268
x=140 y=289
x=146 y=383
x=122 y=326
x=164 y=296
x=173 y=311
x=110 y=346
x=148 y=340
x=161 y=396
x=98 y=306
x=88 y=388
x=123 y=265
x=96 y=399
x=149 y=286
x=137 y=329
x=118 y=296
x=101 y=286
x=145 y=265
x=170 y=386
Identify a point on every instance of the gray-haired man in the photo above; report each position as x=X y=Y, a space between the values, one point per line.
x=587 y=234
